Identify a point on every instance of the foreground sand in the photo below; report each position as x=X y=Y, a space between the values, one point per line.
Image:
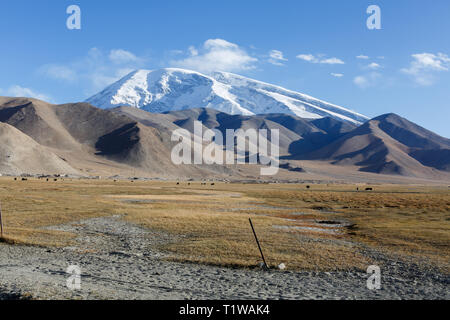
x=125 y=266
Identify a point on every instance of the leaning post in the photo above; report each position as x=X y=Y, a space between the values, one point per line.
x=259 y=246
x=1 y=221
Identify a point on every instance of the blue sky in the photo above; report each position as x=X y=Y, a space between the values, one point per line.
x=322 y=48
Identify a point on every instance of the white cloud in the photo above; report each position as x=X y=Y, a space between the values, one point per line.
x=363 y=57
x=176 y=52
x=368 y=80
x=193 y=52
x=319 y=59
x=360 y=81
x=337 y=75
x=276 y=57
x=332 y=61
x=373 y=66
x=97 y=69
x=276 y=54
x=120 y=56
x=439 y=62
x=219 y=43
x=307 y=57
x=425 y=65
x=217 y=55
x=59 y=72
x=18 y=91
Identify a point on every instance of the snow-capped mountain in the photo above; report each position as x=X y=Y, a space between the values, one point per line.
x=178 y=89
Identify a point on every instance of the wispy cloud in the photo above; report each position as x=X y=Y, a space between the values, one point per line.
x=363 y=57
x=337 y=75
x=319 y=59
x=373 y=66
x=332 y=61
x=307 y=57
x=216 y=55
x=120 y=56
x=276 y=58
x=424 y=65
x=368 y=80
x=19 y=91
x=59 y=72
x=98 y=69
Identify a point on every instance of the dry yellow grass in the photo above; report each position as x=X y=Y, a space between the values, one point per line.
x=413 y=221
x=209 y=224
x=205 y=233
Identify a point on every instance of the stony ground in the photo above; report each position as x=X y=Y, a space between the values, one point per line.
x=118 y=261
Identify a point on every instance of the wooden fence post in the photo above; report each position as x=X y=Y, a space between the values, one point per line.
x=1 y=221
x=259 y=246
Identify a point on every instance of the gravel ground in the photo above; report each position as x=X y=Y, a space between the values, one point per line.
x=118 y=261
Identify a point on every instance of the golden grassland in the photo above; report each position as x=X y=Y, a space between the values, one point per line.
x=209 y=224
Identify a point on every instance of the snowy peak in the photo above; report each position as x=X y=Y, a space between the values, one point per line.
x=174 y=89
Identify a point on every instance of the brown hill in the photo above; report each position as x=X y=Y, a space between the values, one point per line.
x=21 y=154
x=297 y=135
x=92 y=139
x=38 y=137
x=388 y=144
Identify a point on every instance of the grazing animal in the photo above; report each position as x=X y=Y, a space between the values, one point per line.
x=213 y=184
x=308 y=187
x=369 y=189
x=24 y=179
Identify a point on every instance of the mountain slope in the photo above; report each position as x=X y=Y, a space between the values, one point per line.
x=297 y=135
x=410 y=134
x=37 y=137
x=389 y=144
x=21 y=154
x=100 y=142
x=88 y=137
x=178 y=89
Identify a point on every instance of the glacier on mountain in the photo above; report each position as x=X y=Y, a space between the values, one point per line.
x=174 y=89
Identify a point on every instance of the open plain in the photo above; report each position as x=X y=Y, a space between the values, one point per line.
x=176 y=240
